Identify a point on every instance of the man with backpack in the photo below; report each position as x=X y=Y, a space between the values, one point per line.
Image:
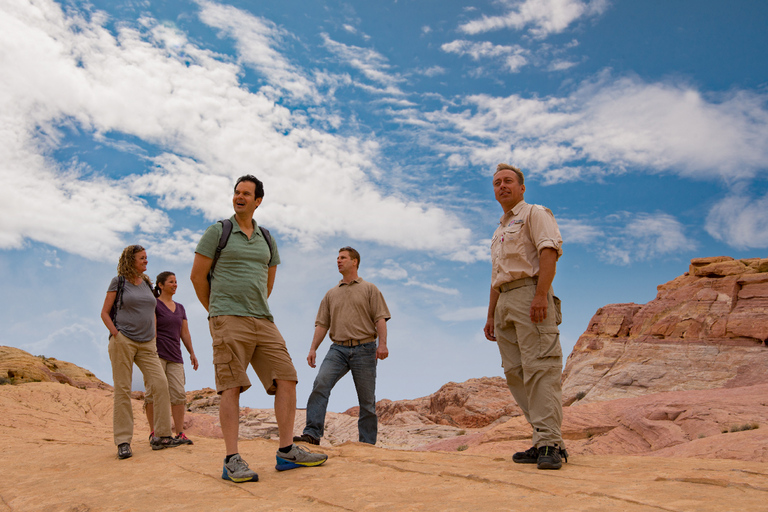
x=233 y=276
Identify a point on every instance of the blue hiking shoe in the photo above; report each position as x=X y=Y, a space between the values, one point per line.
x=298 y=457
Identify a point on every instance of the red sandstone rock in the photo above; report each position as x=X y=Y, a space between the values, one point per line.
x=19 y=367
x=705 y=329
x=475 y=403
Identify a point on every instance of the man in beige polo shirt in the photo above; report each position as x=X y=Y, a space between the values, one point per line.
x=355 y=313
x=523 y=314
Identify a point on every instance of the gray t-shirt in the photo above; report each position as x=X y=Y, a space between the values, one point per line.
x=136 y=317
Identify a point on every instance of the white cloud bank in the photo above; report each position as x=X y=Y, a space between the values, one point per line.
x=67 y=72
x=609 y=126
x=540 y=17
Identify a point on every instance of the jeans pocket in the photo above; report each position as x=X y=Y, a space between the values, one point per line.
x=549 y=341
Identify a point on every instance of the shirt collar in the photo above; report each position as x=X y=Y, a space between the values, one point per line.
x=358 y=280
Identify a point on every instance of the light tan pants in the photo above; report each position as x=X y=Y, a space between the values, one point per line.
x=123 y=352
x=532 y=361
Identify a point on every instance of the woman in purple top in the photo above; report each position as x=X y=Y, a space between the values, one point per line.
x=172 y=327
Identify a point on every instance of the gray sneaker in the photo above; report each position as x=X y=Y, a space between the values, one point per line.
x=236 y=470
x=158 y=443
x=298 y=457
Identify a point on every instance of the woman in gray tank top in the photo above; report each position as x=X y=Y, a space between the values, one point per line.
x=129 y=314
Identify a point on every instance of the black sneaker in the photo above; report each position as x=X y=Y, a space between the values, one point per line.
x=529 y=456
x=183 y=439
x=158 y=443
x=550 y=458
x=306 y=438
x=124 y=451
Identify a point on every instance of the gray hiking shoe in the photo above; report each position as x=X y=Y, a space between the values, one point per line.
x=236 y=470
x=158 y=443
x=298 y=457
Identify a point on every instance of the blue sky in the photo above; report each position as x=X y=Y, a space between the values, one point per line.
x=642 y=125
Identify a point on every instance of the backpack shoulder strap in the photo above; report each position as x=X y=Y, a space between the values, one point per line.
x=226 y=230
x=268 y=239
x=118 y=298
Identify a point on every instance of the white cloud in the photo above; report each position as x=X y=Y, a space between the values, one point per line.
x=152 y=85
x=623 y=237
x=371 y=63
x=479 y=313
x=644 y=237
x=615 y=125
x=741 y=221
x=541 y=17
x=257 y=40
x=513 y=56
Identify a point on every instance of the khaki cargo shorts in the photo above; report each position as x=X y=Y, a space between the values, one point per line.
x=240 y=340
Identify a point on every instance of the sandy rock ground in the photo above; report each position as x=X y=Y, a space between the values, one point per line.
x=57 y=454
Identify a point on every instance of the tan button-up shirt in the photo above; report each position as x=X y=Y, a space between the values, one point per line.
x=352 y=310
x=522 y=233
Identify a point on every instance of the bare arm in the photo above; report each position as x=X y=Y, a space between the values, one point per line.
x=186 y=338
x=317 y=339
x=490 y=330
x=109 y=300
x=271 y=279
x=381 y=328
x=199 y=277
x=547 y=268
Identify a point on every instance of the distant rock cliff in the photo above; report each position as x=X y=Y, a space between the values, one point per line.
x=19 y=367
x=705 y=329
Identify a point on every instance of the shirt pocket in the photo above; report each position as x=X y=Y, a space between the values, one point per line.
x=510 y=240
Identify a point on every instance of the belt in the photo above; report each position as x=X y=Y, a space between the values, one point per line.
x=354 y=343
x=518 y=283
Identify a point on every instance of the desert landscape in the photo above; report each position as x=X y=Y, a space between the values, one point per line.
x=666 y=408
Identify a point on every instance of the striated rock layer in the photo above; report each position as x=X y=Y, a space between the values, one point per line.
x=19 y=367
x=705 y=329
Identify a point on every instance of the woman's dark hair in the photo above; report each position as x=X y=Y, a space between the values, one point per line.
x=162 y=277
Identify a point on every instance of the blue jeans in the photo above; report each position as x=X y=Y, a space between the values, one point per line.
x=361 y=360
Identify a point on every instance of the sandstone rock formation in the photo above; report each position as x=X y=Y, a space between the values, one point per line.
x=18 y=367
x=475 y=403
x=705 y=329
x=57 y=454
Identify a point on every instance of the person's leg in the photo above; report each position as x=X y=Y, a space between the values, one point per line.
x=121 y=354
x=334 y=367
x=149 y=363
x=542 y=364
x=362 y=363
x=174 y=372
x=505 y=316
x=285 y=410
x=149 y=409
x=229 y=418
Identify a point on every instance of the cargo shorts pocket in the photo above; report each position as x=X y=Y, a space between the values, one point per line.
x=221 y=351
x=549 y=341
x=558 y=309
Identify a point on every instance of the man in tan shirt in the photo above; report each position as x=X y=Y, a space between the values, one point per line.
x=355 y=313
x=523 y=314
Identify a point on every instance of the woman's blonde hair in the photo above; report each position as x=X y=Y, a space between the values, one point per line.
x=126 y=266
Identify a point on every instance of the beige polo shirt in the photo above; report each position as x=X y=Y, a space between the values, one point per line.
x=522 y=233
x=351 y=310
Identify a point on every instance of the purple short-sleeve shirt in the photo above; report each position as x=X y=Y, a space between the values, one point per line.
x=169 y=331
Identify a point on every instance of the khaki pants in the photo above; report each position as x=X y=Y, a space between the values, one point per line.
x=532 y=361
x=123 y=352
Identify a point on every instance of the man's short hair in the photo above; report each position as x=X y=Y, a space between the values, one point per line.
x=253 y=179
x=503 y=166
x=352 y=254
